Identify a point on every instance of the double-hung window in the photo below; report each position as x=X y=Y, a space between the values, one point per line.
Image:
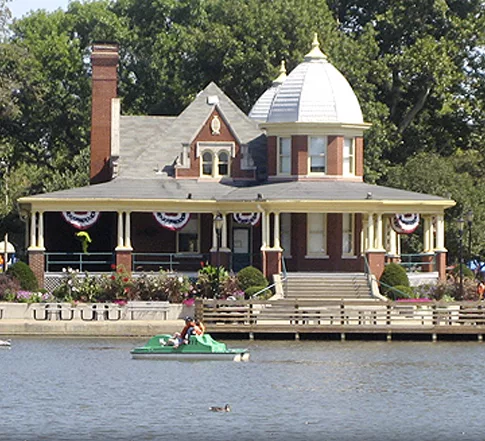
x=317 y=235
x=284 y=156
x=188 y=236
x=317 y=152
x=348 y=235
x=285 y=233
x=348 y=157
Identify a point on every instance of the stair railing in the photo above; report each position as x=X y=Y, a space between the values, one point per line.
x=372 y=282
x=282 y=280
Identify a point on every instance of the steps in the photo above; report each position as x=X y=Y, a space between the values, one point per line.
x=327 y=286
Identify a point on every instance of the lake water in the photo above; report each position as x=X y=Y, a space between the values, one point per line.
x=90 y=389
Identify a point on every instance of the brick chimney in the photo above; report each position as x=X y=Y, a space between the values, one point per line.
x=104 y=60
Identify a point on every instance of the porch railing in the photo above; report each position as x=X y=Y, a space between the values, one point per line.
x=416 y=262
x=55 y=262
x=167 y=261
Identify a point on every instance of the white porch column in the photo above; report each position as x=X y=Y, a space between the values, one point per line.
x=370 y=232
x=427 y=234
x=264 y=230
x=40 y=241
x=224 y=232
x=276 y=232
x=120 y=231
x=127 y=241
x=393 y=238
x=440 y=233
x=33 y=230
x=379 y=233
x=214 y=234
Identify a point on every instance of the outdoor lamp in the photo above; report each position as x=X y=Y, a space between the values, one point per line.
x=461 y=225
x=218 y=221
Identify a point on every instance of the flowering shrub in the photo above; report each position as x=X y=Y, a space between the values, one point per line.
x=77 y=288
x=115 y=286
x=8 y=286
x=210 y=281
x=31 y=297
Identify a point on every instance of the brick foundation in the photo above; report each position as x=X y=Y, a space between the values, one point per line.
x=123 y=259
x=37 y=265
x=376 y=261
x=271 y=263
x=441 y=265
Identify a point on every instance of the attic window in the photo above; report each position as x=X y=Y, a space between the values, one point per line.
x=212 y=100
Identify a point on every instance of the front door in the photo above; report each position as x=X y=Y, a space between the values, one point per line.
x=241 y=248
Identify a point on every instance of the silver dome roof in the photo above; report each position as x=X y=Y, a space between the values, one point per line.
x=314 y=92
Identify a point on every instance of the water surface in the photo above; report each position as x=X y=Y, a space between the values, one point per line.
x=90 y=389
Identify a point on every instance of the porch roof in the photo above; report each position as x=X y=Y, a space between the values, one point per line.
x=157 y=193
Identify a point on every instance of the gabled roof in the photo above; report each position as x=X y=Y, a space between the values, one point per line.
x=151 y=143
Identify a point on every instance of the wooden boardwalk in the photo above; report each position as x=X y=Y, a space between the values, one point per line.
x=345 y=319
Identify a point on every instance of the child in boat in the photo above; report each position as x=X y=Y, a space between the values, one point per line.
x=199 y=328
x=174 y=341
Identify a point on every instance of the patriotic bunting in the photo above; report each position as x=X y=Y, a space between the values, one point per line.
x=247 y=218
x=405 y=223
x=172 y=221
x=81 y=220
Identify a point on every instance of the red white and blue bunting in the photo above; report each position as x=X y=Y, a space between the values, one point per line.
x=172 y=221
x=405 y=223
x=81 y=220
x=247 y=218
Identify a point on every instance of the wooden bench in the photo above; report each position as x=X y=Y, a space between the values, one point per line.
x=100 y=311
x=146 y=310
x=52 y=311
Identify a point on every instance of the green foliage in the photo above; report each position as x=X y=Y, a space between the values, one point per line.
x=254 y=289
x=393 y=275
x=251 y=276
x=211 y=280
x=400 y=292
x=467 y=272
x=8 y=286
x=26 y=277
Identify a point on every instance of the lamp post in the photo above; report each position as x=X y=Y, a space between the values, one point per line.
x=469 y=220
x=461 y=224
x=218 y=223
x=5 y=165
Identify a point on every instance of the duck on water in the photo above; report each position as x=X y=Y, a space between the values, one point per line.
x=226 y=408
x=5 y=343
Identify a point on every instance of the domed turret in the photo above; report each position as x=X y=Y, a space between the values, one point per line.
x=314 y=92
x=261 y=108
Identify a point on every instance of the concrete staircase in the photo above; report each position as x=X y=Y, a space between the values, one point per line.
x=327 y=286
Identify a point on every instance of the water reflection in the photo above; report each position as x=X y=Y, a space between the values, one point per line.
x=89 y=389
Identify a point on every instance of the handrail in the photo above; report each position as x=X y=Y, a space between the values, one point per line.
x=283 y=279
x=393 y=288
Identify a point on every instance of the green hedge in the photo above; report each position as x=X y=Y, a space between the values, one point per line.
x=26 y=277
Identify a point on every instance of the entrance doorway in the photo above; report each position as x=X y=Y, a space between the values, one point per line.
x=241 y=248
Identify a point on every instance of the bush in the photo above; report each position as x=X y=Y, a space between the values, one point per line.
x=401 y=292
x=210 y=281
x=251 y=276
x=393 y=275
x=26 y=277
x=467 y=272
x=8 y=286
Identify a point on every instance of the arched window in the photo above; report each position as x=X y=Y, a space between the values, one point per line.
x=223 y=164
x=207 y=164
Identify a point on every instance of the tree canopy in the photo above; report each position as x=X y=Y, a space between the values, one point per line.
x=416 y=67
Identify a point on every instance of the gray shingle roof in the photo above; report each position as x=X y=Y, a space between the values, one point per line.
x=149 y=143
x=160 y=188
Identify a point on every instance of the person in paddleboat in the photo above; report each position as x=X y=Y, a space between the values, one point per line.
x=199 y=328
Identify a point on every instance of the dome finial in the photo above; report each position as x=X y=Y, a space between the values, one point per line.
x=282 y=76
x=315 y=53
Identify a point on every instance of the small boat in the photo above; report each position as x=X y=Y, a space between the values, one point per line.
x=199 y=347
x=5 y=343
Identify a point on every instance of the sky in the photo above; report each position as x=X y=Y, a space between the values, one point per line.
x=22 y=7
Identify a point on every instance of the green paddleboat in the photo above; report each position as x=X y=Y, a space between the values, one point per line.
x=202 y=347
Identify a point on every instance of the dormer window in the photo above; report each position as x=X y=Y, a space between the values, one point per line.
x=284 y=156
x=207 y=164
x=223 y=163
x=317 y=153
x=215 y=159
x=348 y=157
